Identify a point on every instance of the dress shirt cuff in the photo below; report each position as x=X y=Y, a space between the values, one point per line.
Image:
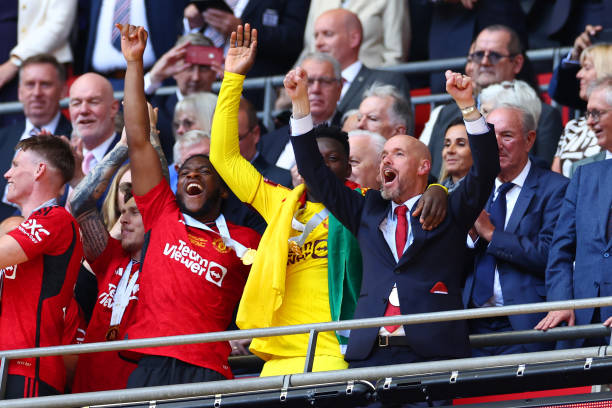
x=301 y=126
x=149 y=86
x=471 y=243
x=476 y=127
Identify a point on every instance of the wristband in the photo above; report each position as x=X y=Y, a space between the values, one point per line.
x=439 y=185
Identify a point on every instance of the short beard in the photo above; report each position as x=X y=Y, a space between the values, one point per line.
x=203 y=211
x=388 y=195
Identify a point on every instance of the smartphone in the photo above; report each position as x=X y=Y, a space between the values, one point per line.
x=604 y=36
x=203 y=55
x=216 y=4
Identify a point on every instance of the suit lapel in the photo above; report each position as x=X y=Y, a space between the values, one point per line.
x=522 y=203
x=418 y=239
x=603 y=180
x=379 y=212
x=354 y=89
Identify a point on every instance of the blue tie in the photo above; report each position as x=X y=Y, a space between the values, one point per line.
x=485 y=267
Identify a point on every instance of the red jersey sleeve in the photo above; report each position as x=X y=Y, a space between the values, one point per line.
x=49 y=230
x=100 y=265
x=156 y=202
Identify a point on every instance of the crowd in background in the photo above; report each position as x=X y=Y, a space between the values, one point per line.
x=181 y=213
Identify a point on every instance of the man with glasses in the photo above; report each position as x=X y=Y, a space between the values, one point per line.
x=497 y=56
x=324 y=88
x=599 y=119
x=579 y=259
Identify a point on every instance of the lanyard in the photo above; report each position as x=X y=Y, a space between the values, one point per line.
x=123 y=293
x=312 y=223
x=247 y=255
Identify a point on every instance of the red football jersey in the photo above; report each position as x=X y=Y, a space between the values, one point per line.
x=36 y=292
x=190 y=281
x=106 y=370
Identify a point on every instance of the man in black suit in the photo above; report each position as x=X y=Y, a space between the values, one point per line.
x=403 y=271
x=42 y=82
x=497 y=56
x=338 y=32
x=324 y=89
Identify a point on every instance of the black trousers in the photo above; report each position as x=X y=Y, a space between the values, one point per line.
x=158 y=370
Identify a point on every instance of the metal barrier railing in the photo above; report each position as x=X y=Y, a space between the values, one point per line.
x=269 y=83
x=308 y=378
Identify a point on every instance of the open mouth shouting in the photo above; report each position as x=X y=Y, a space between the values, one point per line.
x=389 y=175
x=193 y=188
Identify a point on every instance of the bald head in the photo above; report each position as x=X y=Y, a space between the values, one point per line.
x=404 y=167
x=93 y=109
x=339 y=32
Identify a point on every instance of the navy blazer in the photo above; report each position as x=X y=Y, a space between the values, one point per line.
x=9 y=137
x=434 y=256
x=580 y=236
x=521 y=250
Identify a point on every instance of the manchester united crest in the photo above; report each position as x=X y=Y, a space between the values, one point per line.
x=220 y=245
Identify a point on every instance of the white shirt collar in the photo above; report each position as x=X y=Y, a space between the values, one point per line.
x=49 y=127
x=409 y=203
x=100 y=150
x=350 y=73
x=608 y=154
x=518 y=180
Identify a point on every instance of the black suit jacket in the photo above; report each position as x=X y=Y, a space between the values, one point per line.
x=364 y=79
x=280 y=33
x=550 y=127
x=272 y=172
x=272 y=144
x=421 y=266
x=9 y=137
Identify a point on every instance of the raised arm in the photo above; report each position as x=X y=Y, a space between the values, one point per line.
x=346 y=205
x=87 y=193
x=241 y=177
x=144 y=163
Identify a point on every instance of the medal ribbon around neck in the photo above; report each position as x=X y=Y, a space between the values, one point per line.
x=296 y=243
x=247 y=255
x=123 y=293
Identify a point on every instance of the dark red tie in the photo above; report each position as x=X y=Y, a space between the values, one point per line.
x=401 y=230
